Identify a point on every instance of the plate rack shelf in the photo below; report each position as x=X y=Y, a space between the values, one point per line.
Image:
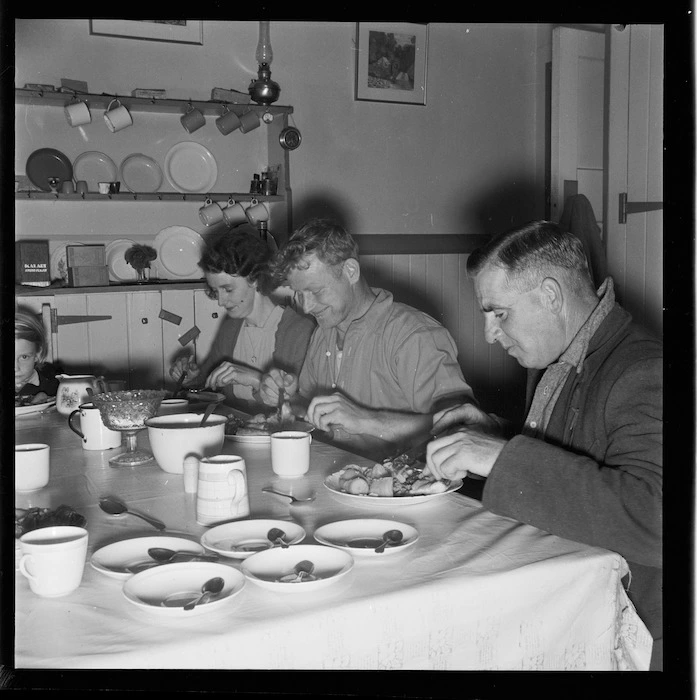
x=150 y=196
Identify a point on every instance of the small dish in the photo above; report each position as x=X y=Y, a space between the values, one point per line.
x=266 y=439
x=165 y=590
x=47 y=163
x=113 y=559
x=94 y=167
x=119 y=269
x=244 y=538
x=362 y=536
x=140 y=173
x=178 y=251
x=267 y=567
x=190 y=168
x=58 y=265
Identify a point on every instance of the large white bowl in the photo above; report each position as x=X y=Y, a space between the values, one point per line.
x=174 y=437
x=243 y=538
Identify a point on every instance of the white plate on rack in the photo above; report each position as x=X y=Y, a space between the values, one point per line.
x=94 y=167
x=191 y=168
x=361 y=536
x=119 y=269
x=112 y=559
x=140 y=173
x=178 y=251
x=59 y=263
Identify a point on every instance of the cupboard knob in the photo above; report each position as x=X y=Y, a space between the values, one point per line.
x=214 y=314
x=144 y=321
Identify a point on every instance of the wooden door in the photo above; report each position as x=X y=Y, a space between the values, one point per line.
x=179 y=332
x=144 y=330
x=207 y=315
x=577 y=150
x=635 y=169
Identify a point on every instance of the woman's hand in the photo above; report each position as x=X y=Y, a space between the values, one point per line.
x=184 y=364
x=276 y=379
x=227 y=373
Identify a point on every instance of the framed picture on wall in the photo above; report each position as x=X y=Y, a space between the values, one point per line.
x=391 y=62
x=185 y=31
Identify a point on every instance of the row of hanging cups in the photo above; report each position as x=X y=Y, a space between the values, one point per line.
x=116 y=117
x=227 y=122
x=233 y=213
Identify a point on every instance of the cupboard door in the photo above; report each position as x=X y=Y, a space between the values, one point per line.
x=180 y=304
x=107 y=340
x=145 y=367
x=208 y=317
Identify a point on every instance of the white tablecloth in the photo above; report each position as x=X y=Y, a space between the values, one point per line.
x=476 y=592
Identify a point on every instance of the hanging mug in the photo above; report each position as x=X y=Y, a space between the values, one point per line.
x=117 y=118
x=234 y=213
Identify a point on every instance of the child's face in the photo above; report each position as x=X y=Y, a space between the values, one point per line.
x=25 y=359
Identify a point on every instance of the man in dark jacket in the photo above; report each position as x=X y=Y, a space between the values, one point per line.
x=587 y=464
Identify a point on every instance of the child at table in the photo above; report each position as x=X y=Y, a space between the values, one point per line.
x=35 y=380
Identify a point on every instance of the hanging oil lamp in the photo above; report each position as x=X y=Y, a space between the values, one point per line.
x=263 y=90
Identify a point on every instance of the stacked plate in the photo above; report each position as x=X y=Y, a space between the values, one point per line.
x=178 y=251
x=94 y=167
x=191 y=168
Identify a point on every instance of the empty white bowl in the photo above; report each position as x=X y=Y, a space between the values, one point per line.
x=243 y=538
x=173 y=437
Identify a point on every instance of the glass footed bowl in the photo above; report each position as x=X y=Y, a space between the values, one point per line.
x=128 y=410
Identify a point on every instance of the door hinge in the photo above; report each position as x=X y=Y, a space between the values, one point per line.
x=635 y=207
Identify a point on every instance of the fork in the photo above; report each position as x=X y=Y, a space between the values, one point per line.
x=293 y=499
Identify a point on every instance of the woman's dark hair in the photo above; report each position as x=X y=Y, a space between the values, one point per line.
x=241 y=254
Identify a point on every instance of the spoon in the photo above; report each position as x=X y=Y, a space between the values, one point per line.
x=391 y=537
x=276 y=535
x=293 y=499
x=115 y=507
x=180 y=384
x=304 y=568
x=279 y=409
x=209 y=409
x=162 y=554
x=209 y=588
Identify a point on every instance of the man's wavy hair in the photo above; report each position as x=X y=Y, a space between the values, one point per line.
x=529 y=254
x=324 y=238
x=241 y=254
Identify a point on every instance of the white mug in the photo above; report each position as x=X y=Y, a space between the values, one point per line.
x=117 y=118
x=77 y=113
x=211 y=212
x=192 y=119
x=95 y=435
x=257 y=211
x=104 y=187
x=53 y=559
x=249 y=121
x=227 y=122
x=31 y=466
x=170 y=406
x=221 y=489
x=290 y=453
x=234 y=213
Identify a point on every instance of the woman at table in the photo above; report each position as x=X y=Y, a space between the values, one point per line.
x=256 y=333
x=35 y=380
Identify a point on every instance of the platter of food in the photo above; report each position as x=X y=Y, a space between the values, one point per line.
x=257 y=430
x=388 y=483
x=23 y=408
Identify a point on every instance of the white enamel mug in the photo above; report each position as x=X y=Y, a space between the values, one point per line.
x=77 y=113
x=234 y=213
x=290 y=453
x=31 y=466
x=53 y=559
x=221 y=489
x=93 y=433
x=257 y=211
x=118 y=117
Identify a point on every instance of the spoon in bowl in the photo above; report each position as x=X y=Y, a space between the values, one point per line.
x=391 y=537
x=209 y=588
x=276 y=536
x=163 y=555
x=113 y=506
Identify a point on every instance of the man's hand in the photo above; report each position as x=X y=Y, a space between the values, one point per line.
x=184 y=364
x=467 y=415
x=276 y=379
x=336 y=411
x=467 y=450
x=227 y=373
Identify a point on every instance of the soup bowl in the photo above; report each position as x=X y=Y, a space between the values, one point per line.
x=174 y=437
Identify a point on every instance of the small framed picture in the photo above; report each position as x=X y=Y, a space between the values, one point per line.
x=391 y=62
x=184 y=31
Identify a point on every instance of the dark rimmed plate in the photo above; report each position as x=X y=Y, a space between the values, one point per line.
x=48 y=163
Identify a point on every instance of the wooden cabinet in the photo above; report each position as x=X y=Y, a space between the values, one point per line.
x=126 y=335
